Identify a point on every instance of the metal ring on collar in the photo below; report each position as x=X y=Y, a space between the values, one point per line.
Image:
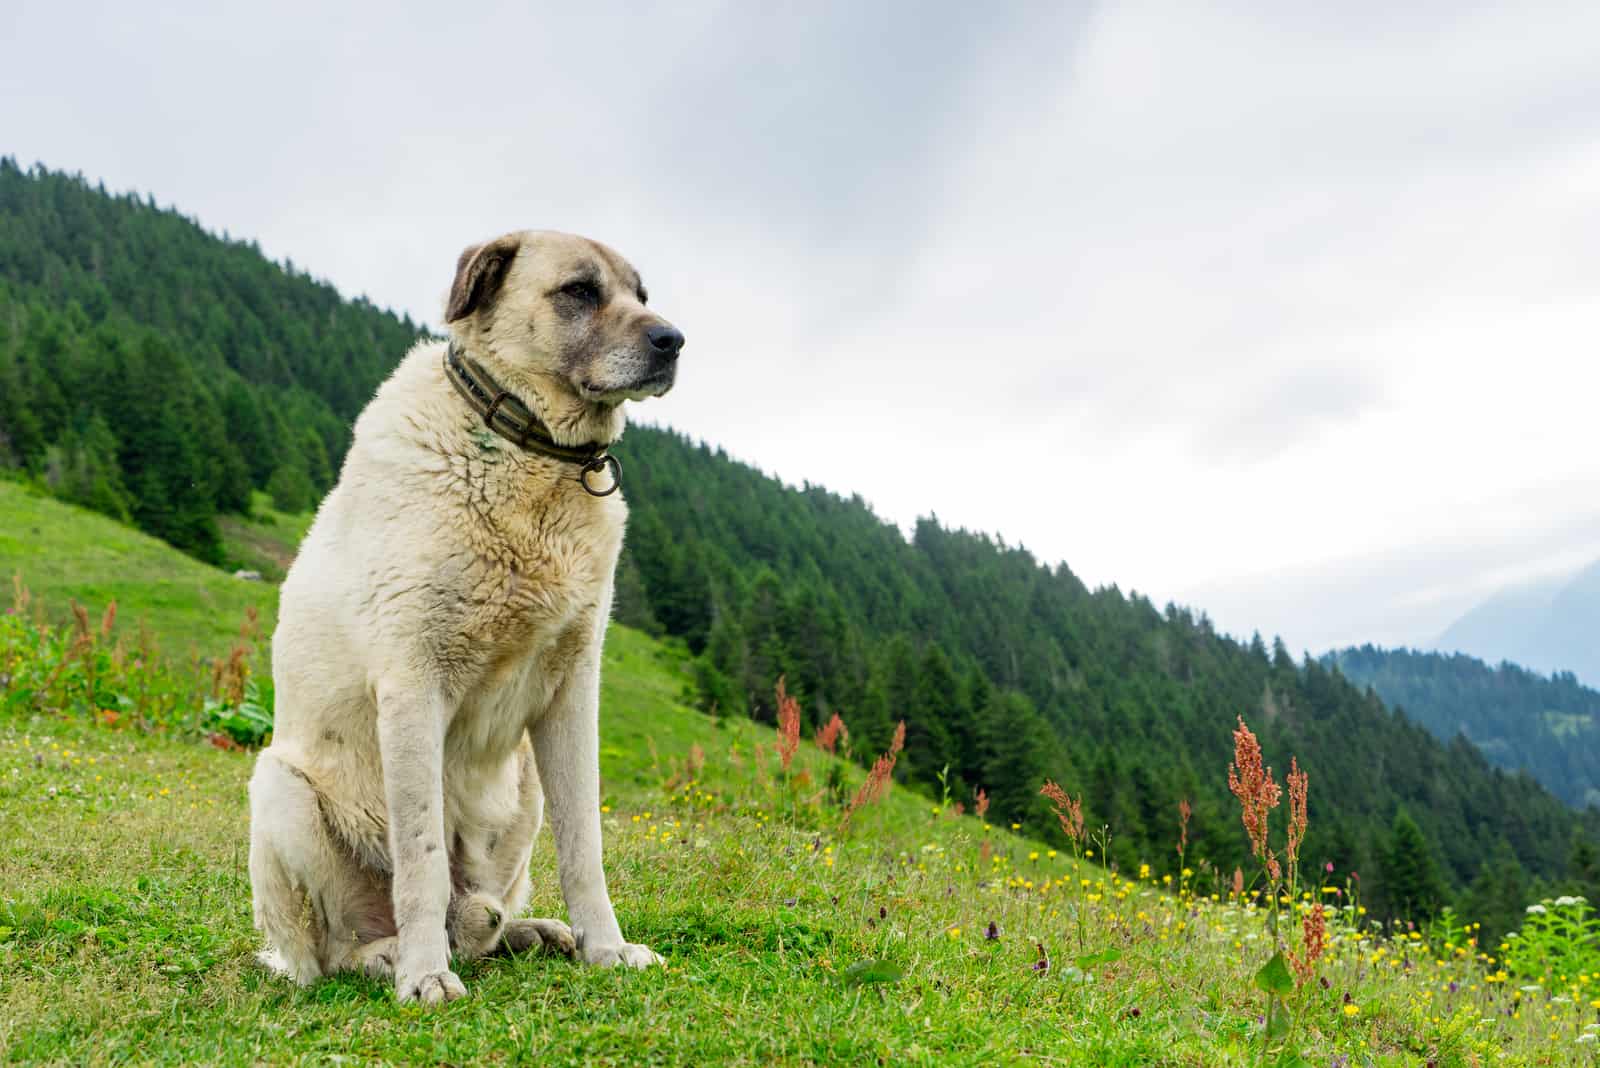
x=600 y=463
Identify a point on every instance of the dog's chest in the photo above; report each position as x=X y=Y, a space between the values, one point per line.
x=539 y=584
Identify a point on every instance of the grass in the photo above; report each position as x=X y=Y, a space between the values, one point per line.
x=265 y=540
x=65 y=552
x=919 y=938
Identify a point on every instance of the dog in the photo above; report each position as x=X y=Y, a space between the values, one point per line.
x=437 y=655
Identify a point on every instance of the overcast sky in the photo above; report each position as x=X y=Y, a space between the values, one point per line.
x=1288 y=312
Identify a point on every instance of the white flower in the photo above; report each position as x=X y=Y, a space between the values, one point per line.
x=1536 y=910
x=1572 y=899
x=1590 y=1037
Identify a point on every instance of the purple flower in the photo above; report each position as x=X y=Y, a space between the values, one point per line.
x=991 y=932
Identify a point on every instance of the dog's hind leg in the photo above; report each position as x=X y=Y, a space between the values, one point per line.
x=317 y=908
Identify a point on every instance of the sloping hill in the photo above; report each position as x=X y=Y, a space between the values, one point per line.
x=61 y=553
x=1548 y=726
x=1005 y=670
x=921 y=937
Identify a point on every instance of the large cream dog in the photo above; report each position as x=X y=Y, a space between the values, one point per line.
x=437 y=657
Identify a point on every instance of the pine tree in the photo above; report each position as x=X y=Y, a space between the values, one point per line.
x=1412 y=886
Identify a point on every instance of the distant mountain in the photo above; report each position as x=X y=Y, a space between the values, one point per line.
x=1548 y=627
x=1546 y=725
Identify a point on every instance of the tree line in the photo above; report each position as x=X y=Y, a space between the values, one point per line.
x=158 y=373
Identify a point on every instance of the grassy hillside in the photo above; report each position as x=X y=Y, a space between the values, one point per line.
x=920 y=936
x=64 y=553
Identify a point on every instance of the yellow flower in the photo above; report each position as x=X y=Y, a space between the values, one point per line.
x=1016 y=826
x=955 y=932
x=1352 y=1010
x=1033 y=855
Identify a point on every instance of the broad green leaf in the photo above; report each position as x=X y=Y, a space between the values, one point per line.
x=1274 y=976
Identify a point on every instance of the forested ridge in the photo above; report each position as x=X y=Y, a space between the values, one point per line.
x=158 y=373
x=1546 y=724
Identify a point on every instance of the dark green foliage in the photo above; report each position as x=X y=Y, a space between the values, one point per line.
x=1547 y=725
x=1027 y=673
x=151 y=371
x=1497 y=896
x=213 y=370
x=1411 y=887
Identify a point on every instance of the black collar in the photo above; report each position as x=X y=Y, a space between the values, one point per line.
x=513 y=420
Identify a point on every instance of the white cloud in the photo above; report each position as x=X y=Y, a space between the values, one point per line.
x=1287 y=311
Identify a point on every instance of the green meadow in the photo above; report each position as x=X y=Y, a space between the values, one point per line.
x=909 y=933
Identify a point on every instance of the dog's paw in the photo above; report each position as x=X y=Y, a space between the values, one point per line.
x=430 y=988
x=630 y=954
x=475 y=925
x=546 y=936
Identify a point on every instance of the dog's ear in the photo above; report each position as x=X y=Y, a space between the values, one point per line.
x=479 y=272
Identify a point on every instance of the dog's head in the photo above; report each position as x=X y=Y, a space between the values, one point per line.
x=564 y=309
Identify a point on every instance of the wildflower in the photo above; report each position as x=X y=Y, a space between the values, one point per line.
x=829 y=735
x=1252 y=784
x=1185 y=810
x=878 y=779
x=1299 y=784
x=1068 y=810
x=992 y=932
x=1314 y=938
x=1352 y=1009
x=1238 y=882
x=1535 y=910
x=980 y=803
x=788 y=725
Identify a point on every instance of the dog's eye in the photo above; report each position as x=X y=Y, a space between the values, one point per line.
x=583 y=290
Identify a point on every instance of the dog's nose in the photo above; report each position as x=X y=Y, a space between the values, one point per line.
x=666 y=340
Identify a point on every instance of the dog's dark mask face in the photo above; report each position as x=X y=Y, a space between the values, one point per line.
x=568 y=307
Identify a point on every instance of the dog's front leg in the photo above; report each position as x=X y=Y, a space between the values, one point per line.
x=566 y=744
x=411 y=726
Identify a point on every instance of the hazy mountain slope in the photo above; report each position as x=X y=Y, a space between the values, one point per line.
x=1547 y=626
x=1521 y=720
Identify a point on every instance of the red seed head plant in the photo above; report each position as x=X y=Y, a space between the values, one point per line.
x=828 y=734
x=1068 y=810
x=108 y=620
x=1299 y=784
x=1185 y=810
x=1238 y=883
x=788 y=725
x=980 y=803
x=878 y=779
x=1313 y=940
x=1252 y=784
